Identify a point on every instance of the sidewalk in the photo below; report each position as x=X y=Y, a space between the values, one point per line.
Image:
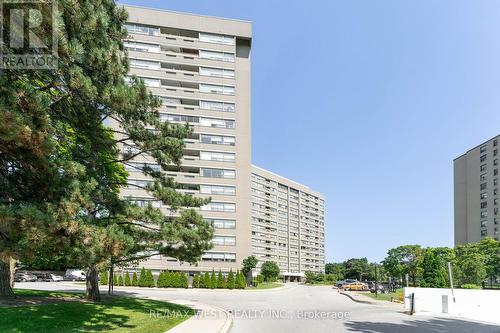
x=360 y=298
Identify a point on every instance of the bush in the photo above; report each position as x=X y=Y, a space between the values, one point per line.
x=146 y=278
x=206 y=280
x=196 y=281
x=221 y=281
x=161 y=282
x=120 y=281
x=270 y=271
x=470 y=286
x=230 y=280
x=259 y=278
x=103 y=278
x=127 y=279
x=213 y=280
x=135 y=281
x=240 y=281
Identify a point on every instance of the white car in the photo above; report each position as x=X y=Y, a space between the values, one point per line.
x=74 y=275
x=56 y=278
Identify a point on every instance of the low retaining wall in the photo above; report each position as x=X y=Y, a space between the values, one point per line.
x=481 y=305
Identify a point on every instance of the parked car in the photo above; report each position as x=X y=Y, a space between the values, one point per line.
x=24 y=277
x=379 y=287
x=74 y=275
x=357 y=286
x=344 y=282
x=47 y=277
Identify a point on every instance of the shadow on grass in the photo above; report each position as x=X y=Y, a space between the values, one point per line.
x=113 y=312
x=442 y=325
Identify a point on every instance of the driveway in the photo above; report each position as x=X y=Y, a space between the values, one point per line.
x=298 y=308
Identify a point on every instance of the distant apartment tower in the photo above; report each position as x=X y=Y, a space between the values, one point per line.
x=199 y=67
x=476 y=180
x=287 y=224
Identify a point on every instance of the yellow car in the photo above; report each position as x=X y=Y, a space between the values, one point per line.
x=356 y=286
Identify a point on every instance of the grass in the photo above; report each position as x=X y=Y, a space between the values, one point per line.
x=266 y=285
x=386 y=297
x=112 y=314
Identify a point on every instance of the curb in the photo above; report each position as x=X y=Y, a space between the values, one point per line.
x=354 y=299
x=229 y=320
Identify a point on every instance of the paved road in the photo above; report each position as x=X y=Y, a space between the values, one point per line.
x=285 y=310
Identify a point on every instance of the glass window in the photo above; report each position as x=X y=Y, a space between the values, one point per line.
x=219 y=207
x=217 y=189
x=214 y=55
x=217 y=106
x=482 y=167
x=482 y=149
x=218 y=39
x=215 y=89
x=147 y=64
x=482 y=158
x=141 y=47
x=218 y=123
x=218 y=173
x=218 y=72
x=224 y=240
x=217 y=156
x=142 y=29
x=222 y=223
x=217 y=139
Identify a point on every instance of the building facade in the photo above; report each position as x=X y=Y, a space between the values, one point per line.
x=476 y=193
x=287 y=224
x=199 y=67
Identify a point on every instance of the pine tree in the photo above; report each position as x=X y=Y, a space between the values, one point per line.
x=230 y=280
x=103 y=278
x=206 y=280
x=120 y=281
x=127 y=279
x=221 y=281
x=135 y=281
x=115 y=280
x=161 y=282
x=196 y=281
x=142 y=278
x=150 y=280
x=240 y=281
x=213 y=280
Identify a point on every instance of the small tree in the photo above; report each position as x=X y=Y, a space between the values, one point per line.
x=433 y=271
x=115 y=280
x=103 y=278
x=206 y=280
x=249 y=263
x=142 y=278
x=230 y=280
x=135 y=281
x=310 y=277
x=127 y=279
x=160 y=283
x=270 y=271
x=120 y=281
x=240 y=281
x=221 y=281
x=213 y=280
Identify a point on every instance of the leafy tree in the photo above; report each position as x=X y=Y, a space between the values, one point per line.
x=472 y=264
x=221 y=281
x=335 y=268
x=213 y=281
x=434 y=270
x=270 y=271
x=404 y=260
x=357 y=268
x=230 y=280
x=249 y=263
x=135 y=281
x=490 y=248
x=310 y=277
x=127 y=279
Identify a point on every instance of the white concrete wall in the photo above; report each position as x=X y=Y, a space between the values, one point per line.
x=481 y=305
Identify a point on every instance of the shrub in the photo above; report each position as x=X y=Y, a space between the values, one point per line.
x=135 y=281
x=103 y=278
x=142 y=278
x=146 y=278
x=127 y=279
x=184 y=282
x=206 y=280
x=213 y=280
x=221 y=281
x=230 y=280
x=259 y=278
x=470 y=286
x=240 y=281
x=161 y=282
x=120 y=280
x=270 y=271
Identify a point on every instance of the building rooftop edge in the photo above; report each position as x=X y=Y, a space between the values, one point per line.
x=288 y=179
x=477 y=146
x=187 y=13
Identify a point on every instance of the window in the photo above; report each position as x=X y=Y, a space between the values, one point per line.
x=484 y=204
x=134 y=166
x=218 y=123
x=217 y=106
x=219 y=256
x=217 y=139
x=482 y=158
x=179 y=118
x=169 y=100
x=495 y=211
x=214 y=55
x=217 y=72
x=219 y=207
x=495 y=161
x=224 y=240
x=482 y=177
x=149 y=82
x=484 y=224
x=495 y=220
x=483 y=186
x=218 y=39
x=215 y=89
x=484 y=195
x=217 y=189
x=216 y=156
x=142 y=29
x=495 y=191
x=484 y=233
x=222 y=223
x=482 y=149
x=495 y=202
x=218 y=173
x=495 y=172
x=495 y=143
x=141 y=47
x=495 y=181
x=484 y=214
x=482 y=167
x=147 y=64
x=495 y=152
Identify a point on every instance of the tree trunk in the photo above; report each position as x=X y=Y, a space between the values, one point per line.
x=92 y=290
x=110 y=280
x=6 y=276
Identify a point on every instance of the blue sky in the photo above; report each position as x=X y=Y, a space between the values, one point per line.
x=369 y=102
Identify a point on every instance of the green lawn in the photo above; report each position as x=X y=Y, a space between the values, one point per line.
x=113 y=314
x=266 y=285
x=385 y=297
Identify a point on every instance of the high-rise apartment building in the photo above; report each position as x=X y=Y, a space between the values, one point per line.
x=199 y=67
x=476 y=181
